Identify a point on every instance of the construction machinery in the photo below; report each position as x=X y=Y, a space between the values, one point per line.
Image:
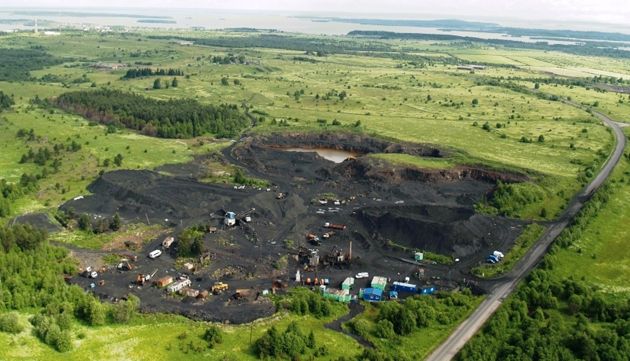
x=124 y=265
x=141 y=279
x=219 y=287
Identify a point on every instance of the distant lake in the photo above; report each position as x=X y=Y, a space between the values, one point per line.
x=209 y=19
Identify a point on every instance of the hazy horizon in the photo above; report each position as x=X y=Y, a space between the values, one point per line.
x=613 y=12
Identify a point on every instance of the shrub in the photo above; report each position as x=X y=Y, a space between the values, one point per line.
x=10 y=323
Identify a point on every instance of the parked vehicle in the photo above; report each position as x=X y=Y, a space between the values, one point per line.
x=362 y=275
x=155 y=254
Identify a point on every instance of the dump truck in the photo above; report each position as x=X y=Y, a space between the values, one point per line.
x=219 y=287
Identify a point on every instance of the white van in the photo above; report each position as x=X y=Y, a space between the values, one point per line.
x=362 y=275
x=155 y=254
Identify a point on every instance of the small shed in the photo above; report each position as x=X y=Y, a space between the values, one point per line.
x=164 y=281
x=372 y=294
x=189 y=292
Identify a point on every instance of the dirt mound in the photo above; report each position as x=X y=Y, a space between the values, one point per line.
x=138 y=195
x=38 y=220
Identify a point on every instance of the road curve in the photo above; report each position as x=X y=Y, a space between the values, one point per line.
x=506 y=285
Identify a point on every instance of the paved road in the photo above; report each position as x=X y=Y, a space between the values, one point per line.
x=502 y=289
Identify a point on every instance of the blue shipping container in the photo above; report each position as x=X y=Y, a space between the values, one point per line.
x=372 y=294
x=404 y=287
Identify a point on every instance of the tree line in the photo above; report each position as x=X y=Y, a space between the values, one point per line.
x=144 y=72
x=5 y=101
x=175 y=118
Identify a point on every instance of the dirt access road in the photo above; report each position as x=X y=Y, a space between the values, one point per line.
x=504 y=287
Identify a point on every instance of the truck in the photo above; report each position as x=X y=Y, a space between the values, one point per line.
x=336 y=226
x=492 y=259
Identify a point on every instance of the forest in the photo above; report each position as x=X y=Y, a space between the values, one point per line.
x=276 y=41
x=13 y=66
x=175 y=118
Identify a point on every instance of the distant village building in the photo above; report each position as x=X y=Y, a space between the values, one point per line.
x=471 y=67
x=108 y=66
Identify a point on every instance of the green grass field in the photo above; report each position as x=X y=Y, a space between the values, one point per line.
x=159 y=337
x=601 y=254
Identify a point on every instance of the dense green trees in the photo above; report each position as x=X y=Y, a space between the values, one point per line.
x=190 y=242
x=229 y=59
x=16 y=64
x=144 y=72
x=177 y=118
x=5 y=101
x=508 y=199
x=290 y=344
x=213 y=336
x=10 y=323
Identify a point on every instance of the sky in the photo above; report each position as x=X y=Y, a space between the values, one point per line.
x=598 y=11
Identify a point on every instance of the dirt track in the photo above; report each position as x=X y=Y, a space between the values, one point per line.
x=383 y=207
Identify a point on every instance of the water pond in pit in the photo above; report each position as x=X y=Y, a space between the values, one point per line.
x=333 y=155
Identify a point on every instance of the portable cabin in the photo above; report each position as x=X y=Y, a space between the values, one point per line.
x=379 y=282
x=347 y=283
x=404 y=287
x=178 y=286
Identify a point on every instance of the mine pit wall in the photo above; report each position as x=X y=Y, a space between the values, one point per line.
x=356 y=143
x=379 y=170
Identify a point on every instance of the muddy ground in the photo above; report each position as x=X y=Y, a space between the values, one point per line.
x=385 y=208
